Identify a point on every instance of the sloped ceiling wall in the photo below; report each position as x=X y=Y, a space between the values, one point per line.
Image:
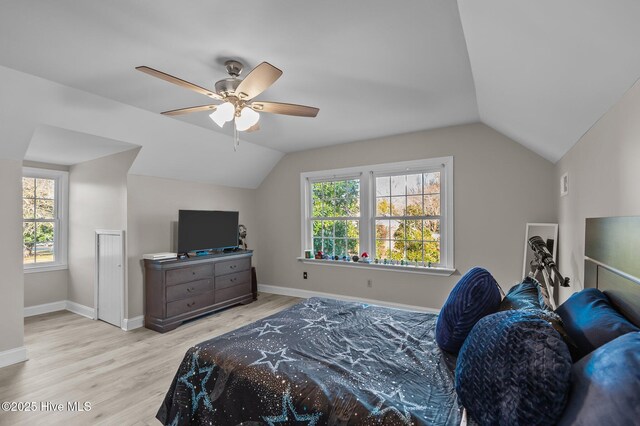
x=170 y=148
x=545 y=71
x=541 y=72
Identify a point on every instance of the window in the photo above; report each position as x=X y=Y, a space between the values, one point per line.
x=335 y=217
x=400 y=213
x=44 y=195
x=407 y=217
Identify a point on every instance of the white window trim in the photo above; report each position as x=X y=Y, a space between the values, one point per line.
x=62 y=209
x=367 y=207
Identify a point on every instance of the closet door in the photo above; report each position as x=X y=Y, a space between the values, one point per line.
x=110 y=276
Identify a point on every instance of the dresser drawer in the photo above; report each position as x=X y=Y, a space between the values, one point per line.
x=181 y=291
x=189 y=304
x=184 y=275
x=233 y=292
x=230 y=280
x=231 y=266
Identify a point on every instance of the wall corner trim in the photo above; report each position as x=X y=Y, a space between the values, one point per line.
x=129 y=324
x=305 y=294
x=79 y=309
x=13 y=356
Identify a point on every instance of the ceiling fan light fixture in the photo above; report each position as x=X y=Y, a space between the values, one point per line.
x=246 y=119
x=223 y=113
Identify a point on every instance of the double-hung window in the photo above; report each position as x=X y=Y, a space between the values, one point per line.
x=335 y=216
x=400 y=213
x=44 y=204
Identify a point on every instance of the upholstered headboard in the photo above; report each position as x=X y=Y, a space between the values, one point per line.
x=612 y=262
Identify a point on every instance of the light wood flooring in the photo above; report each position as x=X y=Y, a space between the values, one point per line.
x=124 y=375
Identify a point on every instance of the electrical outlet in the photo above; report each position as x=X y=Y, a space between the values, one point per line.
x=369 y=283
x=304 y=275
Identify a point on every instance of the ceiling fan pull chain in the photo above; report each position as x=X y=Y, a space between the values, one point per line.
x=236 y=137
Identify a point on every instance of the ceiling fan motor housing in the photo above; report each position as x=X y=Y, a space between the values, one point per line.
x=227 y=86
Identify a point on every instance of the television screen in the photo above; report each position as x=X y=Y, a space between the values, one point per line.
x=206 y=230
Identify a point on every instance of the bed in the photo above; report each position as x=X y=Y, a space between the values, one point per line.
x=325 y=361
x=321 y=361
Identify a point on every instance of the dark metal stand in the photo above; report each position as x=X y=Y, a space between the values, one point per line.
x=543 y=264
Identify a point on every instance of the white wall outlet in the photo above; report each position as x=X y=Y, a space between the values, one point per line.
x=564 y=184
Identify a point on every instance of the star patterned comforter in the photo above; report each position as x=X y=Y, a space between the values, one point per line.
x=320 y=362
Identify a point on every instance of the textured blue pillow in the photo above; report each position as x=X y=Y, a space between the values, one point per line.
x=474 y=296
x=605 y=388
x=591 y=321
x=513 y=369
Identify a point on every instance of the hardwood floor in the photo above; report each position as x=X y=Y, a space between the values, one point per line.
x=124 y=375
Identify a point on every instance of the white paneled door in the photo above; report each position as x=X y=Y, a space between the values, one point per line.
x=110 y=276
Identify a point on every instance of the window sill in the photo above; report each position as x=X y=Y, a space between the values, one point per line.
x=446 y=272
x=45 y=268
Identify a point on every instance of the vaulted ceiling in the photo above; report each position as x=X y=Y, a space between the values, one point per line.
x=540 y=72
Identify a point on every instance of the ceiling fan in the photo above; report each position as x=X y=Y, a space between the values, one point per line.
x=235 y=97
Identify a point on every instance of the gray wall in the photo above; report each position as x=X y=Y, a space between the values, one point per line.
x=97 y=200
x=499 y=186
x=12 y=277
x=45 y=287
x=604 y=180
x=153 y=205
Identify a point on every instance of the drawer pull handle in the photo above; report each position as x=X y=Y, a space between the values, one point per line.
x=233 y=266
x=193 y=272
x=190 y=289
x=190 y=304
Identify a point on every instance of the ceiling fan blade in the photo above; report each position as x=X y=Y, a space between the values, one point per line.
x=181 y=111
x=286 y=109
x=178 y=81
x=257 y=81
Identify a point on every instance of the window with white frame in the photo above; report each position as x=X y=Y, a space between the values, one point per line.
x=335 y=216
x=400 y=213
x=44 y=204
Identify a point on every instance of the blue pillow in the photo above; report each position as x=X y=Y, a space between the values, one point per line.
x=591 y=321
x=605 y=387
x=474 y=296
x=527 y=295
x=513 y=369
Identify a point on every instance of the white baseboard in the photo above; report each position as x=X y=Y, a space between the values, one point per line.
x=13 y=356
x=79 y=309
x=133 y=323
x=76 y=308
x=45 y=308
x=305 y=294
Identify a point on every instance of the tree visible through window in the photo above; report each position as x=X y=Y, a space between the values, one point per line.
x=335 y=217
x=400 y=213
x=39 y=220
x=407 y=217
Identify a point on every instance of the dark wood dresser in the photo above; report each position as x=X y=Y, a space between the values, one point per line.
x=179 y=290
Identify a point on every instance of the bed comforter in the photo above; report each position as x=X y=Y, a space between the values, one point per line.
x=319 y=362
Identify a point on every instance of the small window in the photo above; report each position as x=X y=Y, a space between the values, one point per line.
x=44 y=219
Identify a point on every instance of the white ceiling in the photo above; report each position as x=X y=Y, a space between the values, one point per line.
x=374 y=68
x=66 y=147
x=543 y=72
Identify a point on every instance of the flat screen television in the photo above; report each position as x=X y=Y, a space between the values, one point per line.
x=200 y=230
